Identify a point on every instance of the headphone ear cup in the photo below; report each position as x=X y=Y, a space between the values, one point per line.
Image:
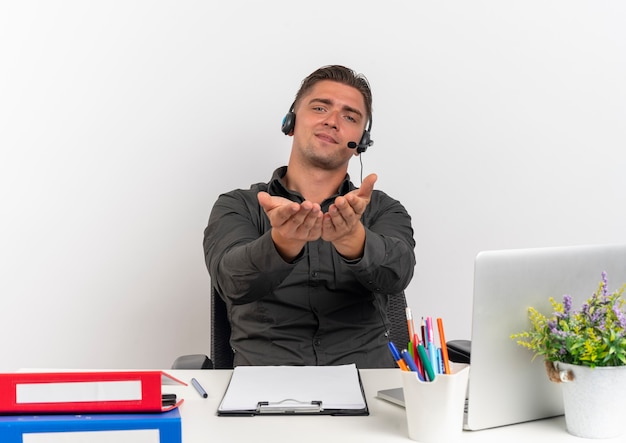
x=365 y=142
x=289 y=123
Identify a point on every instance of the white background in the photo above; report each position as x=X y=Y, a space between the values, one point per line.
x=497 y=124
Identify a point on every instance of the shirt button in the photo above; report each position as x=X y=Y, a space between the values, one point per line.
x=317 y=342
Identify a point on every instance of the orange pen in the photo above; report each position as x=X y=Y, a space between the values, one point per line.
x=444 y=348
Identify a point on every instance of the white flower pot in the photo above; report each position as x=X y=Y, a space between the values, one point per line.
x=594 y=400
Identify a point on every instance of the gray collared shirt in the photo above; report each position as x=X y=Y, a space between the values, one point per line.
x=321 y=309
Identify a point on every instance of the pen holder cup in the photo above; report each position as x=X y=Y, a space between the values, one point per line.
x=434 y=410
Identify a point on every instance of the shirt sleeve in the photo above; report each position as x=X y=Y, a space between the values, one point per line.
x=239 y=252
x=388 y=261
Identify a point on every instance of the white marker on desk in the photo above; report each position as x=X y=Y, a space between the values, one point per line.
x=199 y=388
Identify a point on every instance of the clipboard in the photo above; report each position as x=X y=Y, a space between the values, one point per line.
x=294 y=390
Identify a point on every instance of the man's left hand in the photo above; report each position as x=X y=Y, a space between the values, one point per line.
x=342 y=223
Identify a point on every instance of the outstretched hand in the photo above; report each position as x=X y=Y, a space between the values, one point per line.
x=293 y=224
x=342 y=223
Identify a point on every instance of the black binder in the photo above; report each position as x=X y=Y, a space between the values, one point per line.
x=294 y=390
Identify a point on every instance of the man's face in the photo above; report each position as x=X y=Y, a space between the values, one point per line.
x=329 y=116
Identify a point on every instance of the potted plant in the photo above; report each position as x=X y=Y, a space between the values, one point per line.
x=586 y=350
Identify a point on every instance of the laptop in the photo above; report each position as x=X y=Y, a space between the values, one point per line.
x=505 y=385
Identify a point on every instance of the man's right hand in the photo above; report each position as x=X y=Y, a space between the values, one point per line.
x=293 y=224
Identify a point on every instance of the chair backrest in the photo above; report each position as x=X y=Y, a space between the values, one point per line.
x=222 y=353
x=396 y=313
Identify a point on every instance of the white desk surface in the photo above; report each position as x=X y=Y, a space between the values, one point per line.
x=386 y=422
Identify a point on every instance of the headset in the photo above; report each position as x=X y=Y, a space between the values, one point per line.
x=289 y=123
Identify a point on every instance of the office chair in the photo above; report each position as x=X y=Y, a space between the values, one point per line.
x=193 y=361
x=222 y=353
x=396 y=313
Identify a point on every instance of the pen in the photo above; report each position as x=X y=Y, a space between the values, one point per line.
x=444 y=347
x=428 y=368
x=430 y=336
x=199 y=388
x=440 y=368
x=397 y=357
x=410 y=363
x=432 y=350
x=416 y=357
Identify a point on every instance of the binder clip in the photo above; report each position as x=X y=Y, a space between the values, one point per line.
x=289 y=406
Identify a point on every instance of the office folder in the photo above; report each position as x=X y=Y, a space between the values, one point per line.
x=307 y=390
x=83 y=392
x=159 y=427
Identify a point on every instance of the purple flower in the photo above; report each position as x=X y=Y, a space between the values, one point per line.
x=552 y=325
x=567 y=304
x=620 y=316
x=585 y=309
x=555 y=331
x=605 y=285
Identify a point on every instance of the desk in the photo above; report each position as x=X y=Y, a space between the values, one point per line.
x=386 y=422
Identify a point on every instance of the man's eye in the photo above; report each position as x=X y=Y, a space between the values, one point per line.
x=318 y=108
x=350 y=118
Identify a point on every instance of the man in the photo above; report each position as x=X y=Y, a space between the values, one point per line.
x=305 y=263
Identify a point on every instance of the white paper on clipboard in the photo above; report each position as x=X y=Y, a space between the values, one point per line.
x=334 y=387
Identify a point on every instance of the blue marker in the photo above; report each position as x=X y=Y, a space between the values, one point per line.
x=411 y=363
x=394 y=351
x=397 y=357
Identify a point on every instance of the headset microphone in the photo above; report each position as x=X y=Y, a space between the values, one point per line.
x=362 y=146
x=365 y=141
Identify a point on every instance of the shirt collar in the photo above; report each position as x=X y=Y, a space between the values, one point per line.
x=277 y=186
